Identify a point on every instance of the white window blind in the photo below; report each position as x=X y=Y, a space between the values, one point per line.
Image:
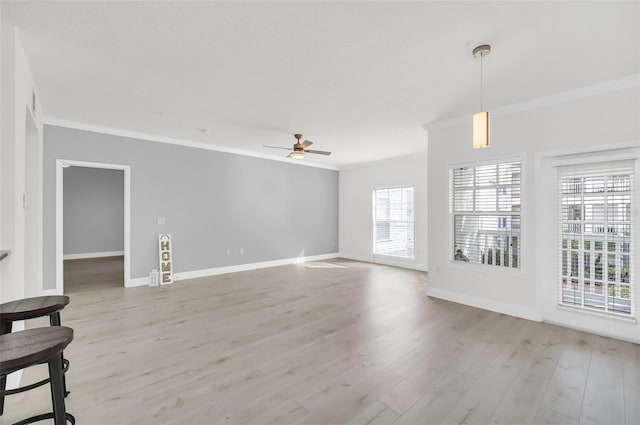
x=485 y=206
x=596 y=237
x=393 y=222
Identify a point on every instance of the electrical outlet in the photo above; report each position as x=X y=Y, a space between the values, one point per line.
x=241 y=251
x=228 y=251
x=162 y=220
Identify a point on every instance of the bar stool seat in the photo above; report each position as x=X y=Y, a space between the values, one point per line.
x=25 y=309
x=31 y=308
x=22 y=349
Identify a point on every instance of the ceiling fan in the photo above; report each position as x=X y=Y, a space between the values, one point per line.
x=300 y=149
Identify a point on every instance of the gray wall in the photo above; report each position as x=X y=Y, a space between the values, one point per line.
x=93 y=210
x=211 y=200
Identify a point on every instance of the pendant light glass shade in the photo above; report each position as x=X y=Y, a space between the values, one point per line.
x=481 y=119
x=481 y=130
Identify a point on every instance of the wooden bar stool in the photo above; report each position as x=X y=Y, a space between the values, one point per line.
x=25 y=309
x=22 y=349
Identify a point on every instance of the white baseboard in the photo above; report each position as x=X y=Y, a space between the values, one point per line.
x=50 y=292
x=498 y=307
x=594 y=331
x=251 y=266
x=138 y=281
x=387 y=261
x=356 y=257
x=400 y=263
x=143 y=281
x=93 y=255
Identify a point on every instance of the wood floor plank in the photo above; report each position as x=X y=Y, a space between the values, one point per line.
x=344 y=408
x=439 y=364
x=485 y=395
x=336 y=342
x=524 y=396
x=604 y=394
x=376 y=414
x=563 y=397
x=631 y=374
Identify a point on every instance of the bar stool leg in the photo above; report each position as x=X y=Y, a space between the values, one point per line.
x=54 y=320
x=5 y=328
x=3 y=386
x=57 y=390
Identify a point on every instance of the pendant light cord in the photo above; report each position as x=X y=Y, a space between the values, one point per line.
x=481 y=79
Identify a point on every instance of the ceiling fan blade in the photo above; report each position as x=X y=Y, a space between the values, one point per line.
x=307 y=143
x=276 y=147
x=317 y=152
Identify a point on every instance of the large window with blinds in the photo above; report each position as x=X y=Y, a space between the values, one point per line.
x=393 y=217
x=596 y=237
x=485 y=210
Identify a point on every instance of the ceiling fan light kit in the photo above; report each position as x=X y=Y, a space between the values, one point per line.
x=300 y=150
x=296 y=155
x=481 y=119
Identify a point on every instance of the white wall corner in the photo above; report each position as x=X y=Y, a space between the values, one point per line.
x=384 y=161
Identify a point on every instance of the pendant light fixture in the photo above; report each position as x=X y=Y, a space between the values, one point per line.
x=481 y=119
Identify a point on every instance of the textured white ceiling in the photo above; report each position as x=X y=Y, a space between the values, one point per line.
x=358 y=78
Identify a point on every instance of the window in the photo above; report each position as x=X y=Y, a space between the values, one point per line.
x=485 y=207
x=393 y=222
x=596 y=229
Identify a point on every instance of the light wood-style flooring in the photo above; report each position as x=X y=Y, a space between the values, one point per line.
x=336 y=342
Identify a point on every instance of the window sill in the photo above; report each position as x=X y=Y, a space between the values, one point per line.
x=480 y=268
x=601 y=314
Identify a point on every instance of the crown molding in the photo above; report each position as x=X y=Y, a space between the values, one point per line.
x=58 y=122
x=622 y=83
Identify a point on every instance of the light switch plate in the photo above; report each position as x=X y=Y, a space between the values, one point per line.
x=162 y=220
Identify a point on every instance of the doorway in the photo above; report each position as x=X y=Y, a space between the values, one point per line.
x=92 y=223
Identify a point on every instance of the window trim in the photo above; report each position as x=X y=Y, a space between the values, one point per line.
x=524 y=251
x=546 y=173
x=593 y=158
x=373 y=223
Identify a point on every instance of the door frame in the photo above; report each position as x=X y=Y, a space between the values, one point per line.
x=60 y=165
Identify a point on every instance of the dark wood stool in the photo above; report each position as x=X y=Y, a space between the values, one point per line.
x=31 y=308
x=22 y=349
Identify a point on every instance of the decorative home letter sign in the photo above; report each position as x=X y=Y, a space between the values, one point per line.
x=166 y=273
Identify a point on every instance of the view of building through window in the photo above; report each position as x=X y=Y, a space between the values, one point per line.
x=596 y=238
x=394 y=228
x=485 y=205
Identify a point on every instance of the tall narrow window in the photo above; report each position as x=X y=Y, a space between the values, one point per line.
x=485 y=207
x=393 y=222
x=596 y=237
